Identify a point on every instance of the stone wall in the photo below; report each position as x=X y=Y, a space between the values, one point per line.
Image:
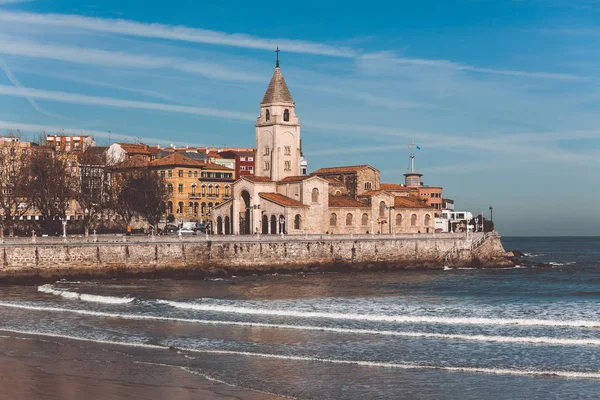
x=236 y=255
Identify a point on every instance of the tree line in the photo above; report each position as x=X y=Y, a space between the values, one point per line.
x=49 y=183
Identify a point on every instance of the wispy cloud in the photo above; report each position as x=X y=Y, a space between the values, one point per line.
x=195 y=35
x=87 y=56
x=11 y=77
x=179 y=33
x=74 y=98
x=4 y=2
x=49 y=129
x=389 y=61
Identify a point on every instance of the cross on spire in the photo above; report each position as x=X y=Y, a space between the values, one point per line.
x=277 y=62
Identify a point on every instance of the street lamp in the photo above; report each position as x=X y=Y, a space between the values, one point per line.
x=491 y=214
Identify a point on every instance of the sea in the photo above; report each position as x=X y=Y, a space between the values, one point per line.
x=516 y=333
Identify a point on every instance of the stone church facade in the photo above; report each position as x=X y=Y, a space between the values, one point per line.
x=278 y=199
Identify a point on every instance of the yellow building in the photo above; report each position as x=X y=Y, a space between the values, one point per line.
x=194 y=187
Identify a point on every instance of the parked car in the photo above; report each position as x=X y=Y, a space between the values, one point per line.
x=170 y=228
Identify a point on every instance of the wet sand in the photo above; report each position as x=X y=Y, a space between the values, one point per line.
x=35 y=368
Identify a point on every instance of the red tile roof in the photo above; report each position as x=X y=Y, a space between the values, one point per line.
x=409 y=202
x=135 y=148
x=254 y=178
x=176 y=160
x=280 y=199
x=214 y=166
x=334 y=181
x=345 y=201
x=294 y=179
x=338 y=170
x=394 y=187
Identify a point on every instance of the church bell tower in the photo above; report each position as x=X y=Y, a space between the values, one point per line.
x=277 y=131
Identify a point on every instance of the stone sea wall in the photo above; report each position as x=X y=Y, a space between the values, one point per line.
x=245 y=254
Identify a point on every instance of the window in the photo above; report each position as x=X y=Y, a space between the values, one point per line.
x=382 y=209
x=180 y=188
x=250 y=158
x=203 y=208
x=367 y=185
x=266 y=151
x=226 y=191
x=427 y=220
x=267 y=116
x=286 y=115
x=267 y=166
x=349 y=219
x=210 y=190
x=287 y=150
x=242 y=158
x=251 y=169
x=288 y=166
x=195 y=174
x=398 y=219
x=193 y=189
x=413 y=220
x=217 y=190
x=297 y=222
x=162 y=174
x=242 y=167
x=189 y=174
x=180 y=207
x=170 y=174
x=191 y=208
x=203 y=190
x=315 y=195
x=170 y=188
x=365 y=220
x=180 y=173
x=333 y=219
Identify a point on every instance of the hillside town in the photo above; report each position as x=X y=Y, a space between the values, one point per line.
x=64 y=183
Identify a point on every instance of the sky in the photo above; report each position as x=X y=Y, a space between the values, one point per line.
x=501 y=96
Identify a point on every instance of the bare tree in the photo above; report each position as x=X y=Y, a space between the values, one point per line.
x=93 y=195
x=149 y=194
x=14 y=202
x=53 y=184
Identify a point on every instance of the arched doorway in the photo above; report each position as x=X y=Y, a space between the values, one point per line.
x=227 y=225
x=219 y=226
x=245 y=213
x=265 y=224
x=273 y=224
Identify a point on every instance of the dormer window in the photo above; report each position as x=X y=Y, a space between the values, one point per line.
x=268 y=116
x=286 y=115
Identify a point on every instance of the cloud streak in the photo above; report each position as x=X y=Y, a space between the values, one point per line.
x=178 y=33
x=74 y=98
x=78 y=55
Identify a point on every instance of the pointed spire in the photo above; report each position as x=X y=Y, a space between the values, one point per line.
x=277 y=62
x=277 y=91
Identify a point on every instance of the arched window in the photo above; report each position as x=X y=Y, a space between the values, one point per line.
x=217 y=190
x=203 y=208
x=170 y=188
x=226 y=190
x=337 y=192
x=196 y=209
x=427 y=219
x=191 y=208
x=268 y=116
x=382 y=209
x=210 y=207
x=189 y=174
x=286 y=115
x=180 y=207
x=398 y=219
x=210 y=190
x=170 y=207
x=315 y=195
x=297 y=221
x=413 y=220
x=365 y=219
x=367 y=185
x=348 y=219
x=195 y=174
x=203 y=190
x=333 y=219
x=193 y=189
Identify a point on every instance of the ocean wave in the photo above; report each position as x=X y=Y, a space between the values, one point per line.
x=557 y=264
x=51 y=289
x=372 y=364
x=534 y=254
x=382 y=317
x=479 y=338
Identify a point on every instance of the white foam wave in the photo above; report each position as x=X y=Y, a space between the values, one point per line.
x=479 y=338
x=374 y=364
x=51 y=289
x=384 y=318
x=561 y=263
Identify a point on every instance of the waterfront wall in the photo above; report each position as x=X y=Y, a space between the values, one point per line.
x=245 y=254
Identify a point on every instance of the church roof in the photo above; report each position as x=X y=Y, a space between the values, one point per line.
x=341 y=170
x=277 y=91
x=394 y=187
x=408 y=202
x=280 y=199
x=345 y=201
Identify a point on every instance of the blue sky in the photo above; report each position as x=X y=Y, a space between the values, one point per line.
x=501 y=96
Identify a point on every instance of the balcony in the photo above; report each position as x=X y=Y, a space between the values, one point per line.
x=194 y=196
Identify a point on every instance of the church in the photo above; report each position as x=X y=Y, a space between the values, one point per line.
x=282 y=198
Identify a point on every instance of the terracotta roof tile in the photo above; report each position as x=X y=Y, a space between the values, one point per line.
x=176 y=159
x=334 y=181
x=295 y=178
x=393 y=187
x=277 y=91
x=135 y=148
x=280 y=199
x=257 y=178
x=408 y=202
x=345 y=201
x=343 y=169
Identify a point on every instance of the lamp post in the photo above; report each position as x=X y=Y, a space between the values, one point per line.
x=491 y=214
